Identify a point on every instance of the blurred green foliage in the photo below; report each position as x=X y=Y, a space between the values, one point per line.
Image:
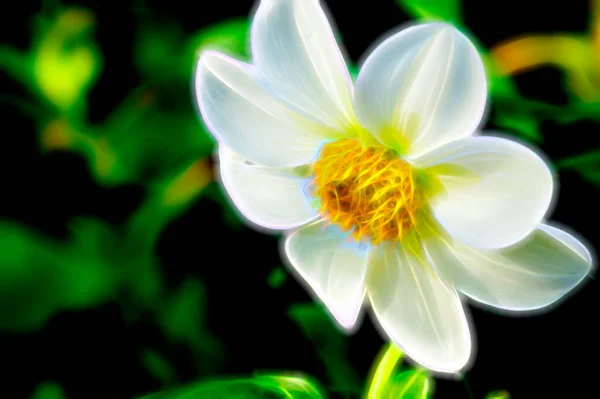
x=277 y=277
x=63 y=63
x=48 y=390
x=155 y=131
x=148 y=139
x=587 y=164
x=40 y=276
x=158 y=367
x=165 y=54
x=188 y=301
x=153 y=138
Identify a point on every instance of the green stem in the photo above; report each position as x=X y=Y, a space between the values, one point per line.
x=383 y=369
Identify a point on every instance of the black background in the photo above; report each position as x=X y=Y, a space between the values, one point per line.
x=94 y=353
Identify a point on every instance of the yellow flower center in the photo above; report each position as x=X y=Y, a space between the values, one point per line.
x=368 y=191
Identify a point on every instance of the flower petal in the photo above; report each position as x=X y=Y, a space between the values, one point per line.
x=421 y=88
x=270 y=197
x=497 y=190
x=417 y=310
x=295 y=50
x=334 y=269
x=529 y=275
x=249 y=120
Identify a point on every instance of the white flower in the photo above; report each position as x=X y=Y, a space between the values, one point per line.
x=383 y=188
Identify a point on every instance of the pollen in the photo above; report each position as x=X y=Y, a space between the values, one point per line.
x=367 y=191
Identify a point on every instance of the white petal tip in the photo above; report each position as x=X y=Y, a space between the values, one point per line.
x=332 y=272
x=449 y=364
x=348 y=325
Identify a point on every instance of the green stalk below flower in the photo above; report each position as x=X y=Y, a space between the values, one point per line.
x=390 y=356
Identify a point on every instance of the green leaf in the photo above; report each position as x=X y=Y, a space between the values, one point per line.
x=158 y=366
x=164 y=54
x=331 y=345
x=66 y=61
x=157 y=53
x=231 y=37
x=156 y=131
x=259 y=387
x=498 y=395
x=293 y=387
x=48 y=390
x=91 y=275
x=142 y=141
x=39 y=277
x=412 y=384
x=159 y=142
x=446 y=10
x=587 y=164
x=15 y=63
x=524 y=124
x=183 y=320
x=577 y=111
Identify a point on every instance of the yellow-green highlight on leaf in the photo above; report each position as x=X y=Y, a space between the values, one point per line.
x=277 y=277
x=412 y=384
x=498 y=395
x=331 y=346
x=155 y=133
x=383 y=369
x=65 y=59
x=187 y=185
x=578 y=55
x=63 y=62
x=291 y=386
x=258 y=387
x=574 y=54
x=445 y=10
x=48 y=390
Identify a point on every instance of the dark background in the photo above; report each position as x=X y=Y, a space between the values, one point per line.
x=95 y=353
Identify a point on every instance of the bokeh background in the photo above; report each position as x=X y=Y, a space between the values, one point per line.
x=124 y=270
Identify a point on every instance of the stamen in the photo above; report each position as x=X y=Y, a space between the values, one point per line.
x=367 y=191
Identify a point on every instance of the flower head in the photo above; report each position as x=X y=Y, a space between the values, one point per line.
x=384 y=190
